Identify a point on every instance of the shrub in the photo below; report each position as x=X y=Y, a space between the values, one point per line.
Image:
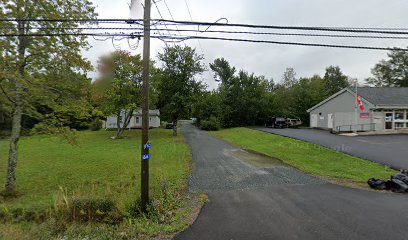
x=94 y=209
x=95 y=125
x=211 y=124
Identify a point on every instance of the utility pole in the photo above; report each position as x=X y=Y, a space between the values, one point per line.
x=356 y=108
x=145 y=110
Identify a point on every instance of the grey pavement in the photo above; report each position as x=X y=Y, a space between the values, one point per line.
x=389 y=150
x=251 y=198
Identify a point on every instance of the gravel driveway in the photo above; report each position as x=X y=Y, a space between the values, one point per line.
x=389 y=150
x=255 y=198
x=219 y=166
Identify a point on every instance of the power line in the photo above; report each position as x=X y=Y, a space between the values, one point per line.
x=218 y=31
x=331 y=29
x=191 y=18
x=184 y=38
x=295 y=43
x=400 y=31
x=158 y=10
x=171 y=15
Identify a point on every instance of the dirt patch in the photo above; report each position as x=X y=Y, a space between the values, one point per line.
x=255 y=159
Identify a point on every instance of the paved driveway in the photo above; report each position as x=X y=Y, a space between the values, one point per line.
x=389 y=150
x=256 y=198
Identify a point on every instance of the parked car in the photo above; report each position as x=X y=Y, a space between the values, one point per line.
x=169 y=126
x=293 y=122
x=276 y=122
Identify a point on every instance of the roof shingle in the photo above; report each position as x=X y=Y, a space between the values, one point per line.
x=384 y=95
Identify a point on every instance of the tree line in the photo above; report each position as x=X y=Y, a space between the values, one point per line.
x=44 y=86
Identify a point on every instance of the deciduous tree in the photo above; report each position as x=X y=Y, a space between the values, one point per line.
x=178 y=85
x=392 y=72
x=121 y=86
x=24 y=57
x=335 y=80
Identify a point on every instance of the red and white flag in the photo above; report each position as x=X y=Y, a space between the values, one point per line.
x=360 y=103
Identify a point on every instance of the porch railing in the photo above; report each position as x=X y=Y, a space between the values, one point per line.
x=353 y=127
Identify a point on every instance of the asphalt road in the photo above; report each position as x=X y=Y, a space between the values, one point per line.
x=389 y=150
x=252 y=198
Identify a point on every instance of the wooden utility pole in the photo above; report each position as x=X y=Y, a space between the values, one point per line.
x=145 y=110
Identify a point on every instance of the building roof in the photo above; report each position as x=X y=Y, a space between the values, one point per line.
x=155 y=112
x=384 y=96
x=377 y=96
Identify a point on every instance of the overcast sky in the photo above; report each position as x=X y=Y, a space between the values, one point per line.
x=272 y=60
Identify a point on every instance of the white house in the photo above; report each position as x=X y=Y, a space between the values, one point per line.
x=135 y=121
x=383 y=109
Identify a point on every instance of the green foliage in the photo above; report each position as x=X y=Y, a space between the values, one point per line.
x=119 y=90
x=392 y=72
x=95 y=125
x=178 y=87
x=120 y=86
x=289 y=78
x=51 y=70
x=244 y=99
x=28 y=63
x=212 y=124
x=240 y=100
x=306 y=156
x=335 y=80
x=207 y=105
x=53 y=127
x=307 y=93
x=223 y=70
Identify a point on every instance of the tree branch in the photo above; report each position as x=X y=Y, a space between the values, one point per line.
x=5 y=94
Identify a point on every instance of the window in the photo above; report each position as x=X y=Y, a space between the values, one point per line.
x=399 y=125
x=388 y=117
x=137 y=119
x=399 y=115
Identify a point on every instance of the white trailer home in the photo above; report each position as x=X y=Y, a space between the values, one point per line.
x=135 y=121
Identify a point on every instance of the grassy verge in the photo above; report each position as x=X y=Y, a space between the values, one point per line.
x=305 y=156
x=50 y=171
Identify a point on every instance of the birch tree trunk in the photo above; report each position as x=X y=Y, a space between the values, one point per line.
x=175 y=128
x=118 y=119
x=18 y=111
x=15 y=137
x=128 y=117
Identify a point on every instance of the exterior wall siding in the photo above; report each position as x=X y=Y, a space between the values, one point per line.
x=135 y=121
x=341 y=111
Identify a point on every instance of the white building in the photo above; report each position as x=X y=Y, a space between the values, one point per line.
x=385 y=109
x=135 y=121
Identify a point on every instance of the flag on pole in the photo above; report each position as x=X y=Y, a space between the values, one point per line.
x=360 y=103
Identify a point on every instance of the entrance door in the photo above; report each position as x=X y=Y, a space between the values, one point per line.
x=388 y=120
x=330 y=120
x=313 y=120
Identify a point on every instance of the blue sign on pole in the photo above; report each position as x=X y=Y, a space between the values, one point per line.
x=147 y=146
x=146 y=157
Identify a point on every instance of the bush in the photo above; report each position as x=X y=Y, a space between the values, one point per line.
x=211 y=124
x=94 y=209
x=95 y=125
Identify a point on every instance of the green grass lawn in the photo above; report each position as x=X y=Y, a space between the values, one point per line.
x=305 y=156
x=96 y=166
x=50 y=170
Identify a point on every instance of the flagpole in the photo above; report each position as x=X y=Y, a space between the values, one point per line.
x=356 y=108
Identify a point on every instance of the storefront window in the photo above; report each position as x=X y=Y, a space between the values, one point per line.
x=388 y=117
x=399 y=116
